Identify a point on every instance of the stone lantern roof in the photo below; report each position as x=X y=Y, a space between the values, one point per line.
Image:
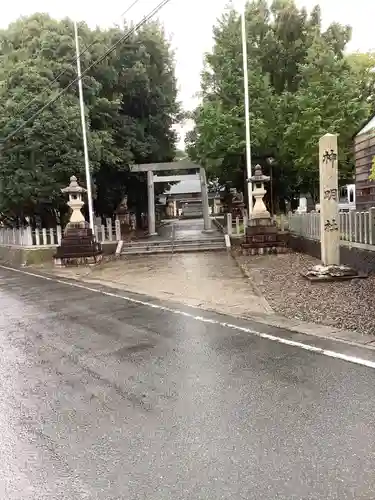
x=73 y=187
x=258 y=175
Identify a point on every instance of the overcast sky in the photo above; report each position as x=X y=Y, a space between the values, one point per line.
x=189 y=23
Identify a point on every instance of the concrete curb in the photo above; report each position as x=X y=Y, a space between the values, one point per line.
x=348 y=337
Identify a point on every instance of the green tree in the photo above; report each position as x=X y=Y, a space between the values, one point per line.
x=218 y=141
x=130 y=100
x=290 y=100
x=363 y=64
x=39 y=160
x=144 y=84
x=328 y=100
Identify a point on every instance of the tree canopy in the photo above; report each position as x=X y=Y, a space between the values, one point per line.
x=130 y=104
x=301 y=86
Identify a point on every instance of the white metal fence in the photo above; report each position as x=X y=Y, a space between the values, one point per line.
x=28 y=237
x=236 y=226
x=355 y=227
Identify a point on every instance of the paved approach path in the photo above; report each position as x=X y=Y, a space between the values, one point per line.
x=210 y=280
x=190 y=229
x=106 y=399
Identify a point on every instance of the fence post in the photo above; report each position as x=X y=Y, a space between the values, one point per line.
x=44 y=236
x=229 y=224
x=309 y=225
x=344 y=226
x=245 y=221
x=102 y=227
x=37 y=237
x=290 y=220
x=348 y=226
x=109 y=229
x=282 y=222
x=358 y=233
x=59 y=234
x=28 y=236
x=372 y=226
x=305 y=225
x=118 y=230
x=366 y=218
x=237 y=226
x=351 y=224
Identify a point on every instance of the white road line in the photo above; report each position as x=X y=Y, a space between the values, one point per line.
x=267 y=336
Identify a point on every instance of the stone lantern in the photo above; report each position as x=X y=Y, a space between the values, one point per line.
x=78 y=245
x=262 y=235
x=258 y=179
x=123 y=216
x=75 y=192
x=122 y=210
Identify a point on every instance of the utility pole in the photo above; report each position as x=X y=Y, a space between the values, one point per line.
x=84 y=132
x=247 y=106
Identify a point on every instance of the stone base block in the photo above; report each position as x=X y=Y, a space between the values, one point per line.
x=322 y=273
x=78 y=261
x=266 y=238
x=261 y=223
x=266 y=250
x=78 y=246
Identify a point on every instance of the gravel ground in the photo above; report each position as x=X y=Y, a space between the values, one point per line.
x=349 y=305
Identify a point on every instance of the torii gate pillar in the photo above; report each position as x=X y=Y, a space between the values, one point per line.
x=206 y=215
x=151 y=203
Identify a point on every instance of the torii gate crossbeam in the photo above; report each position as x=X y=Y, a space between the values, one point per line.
x=150 y=168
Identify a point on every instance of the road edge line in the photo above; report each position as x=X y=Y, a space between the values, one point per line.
x=293 y=343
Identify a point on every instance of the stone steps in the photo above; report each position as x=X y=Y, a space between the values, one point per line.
x=168 y=246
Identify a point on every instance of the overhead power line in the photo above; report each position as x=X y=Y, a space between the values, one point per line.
x=109 y=51
x=130 y=7
x=73 y=61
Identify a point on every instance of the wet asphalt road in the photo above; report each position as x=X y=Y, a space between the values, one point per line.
x=105 y=399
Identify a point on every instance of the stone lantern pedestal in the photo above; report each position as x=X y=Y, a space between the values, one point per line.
x=78 y=245
x=262 y=235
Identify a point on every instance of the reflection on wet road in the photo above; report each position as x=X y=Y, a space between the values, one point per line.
x=105 y=399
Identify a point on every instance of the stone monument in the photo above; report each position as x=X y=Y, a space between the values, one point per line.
x=78 y=244
x=329 y=207
x=262 y=235
x=330 y=269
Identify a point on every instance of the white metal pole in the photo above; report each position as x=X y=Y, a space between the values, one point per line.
x=84 y=133
x=247 y=107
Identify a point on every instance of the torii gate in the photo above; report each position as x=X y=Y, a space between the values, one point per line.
x=150 y=168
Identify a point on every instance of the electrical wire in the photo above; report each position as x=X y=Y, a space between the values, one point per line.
x=130 y=7
x=71 y=62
